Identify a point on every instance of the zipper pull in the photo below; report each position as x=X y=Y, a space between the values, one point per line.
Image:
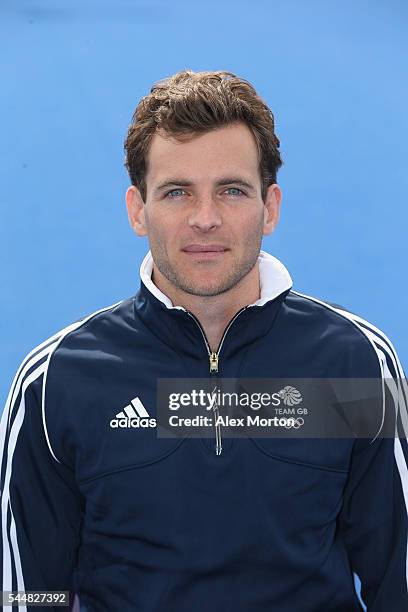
x=214 y=362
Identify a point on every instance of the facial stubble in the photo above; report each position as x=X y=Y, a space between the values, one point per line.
x=238 y=269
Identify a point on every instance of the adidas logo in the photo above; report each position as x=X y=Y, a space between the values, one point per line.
x=133 y=415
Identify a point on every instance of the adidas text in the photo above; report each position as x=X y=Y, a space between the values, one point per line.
x=133 y=422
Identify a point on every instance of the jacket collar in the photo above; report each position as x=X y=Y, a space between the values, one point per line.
x=274 y=280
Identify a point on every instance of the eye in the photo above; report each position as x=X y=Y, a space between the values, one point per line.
x=174 y=193
x=235 y=191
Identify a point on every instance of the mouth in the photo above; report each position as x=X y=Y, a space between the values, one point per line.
x=205 y=251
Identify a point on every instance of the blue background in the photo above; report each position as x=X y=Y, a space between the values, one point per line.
x=72 y=72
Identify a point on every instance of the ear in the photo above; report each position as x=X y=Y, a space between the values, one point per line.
x=271 y=208
x=136 y=211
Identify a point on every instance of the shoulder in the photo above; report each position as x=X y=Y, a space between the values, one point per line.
x=342 y=324
x=65 y=348
x=36 y=363
x=91 y=336
x=94 y=321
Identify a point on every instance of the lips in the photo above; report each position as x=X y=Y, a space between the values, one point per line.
x=204 y=248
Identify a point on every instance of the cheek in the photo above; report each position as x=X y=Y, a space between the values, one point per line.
x=251 y=223
x=161 y=227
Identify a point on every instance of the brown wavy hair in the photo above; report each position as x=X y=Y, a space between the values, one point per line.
x=189 y=103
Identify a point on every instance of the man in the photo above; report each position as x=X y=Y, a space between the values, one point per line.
x=96 y=503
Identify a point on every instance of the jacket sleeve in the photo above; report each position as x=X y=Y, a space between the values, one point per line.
x=373 y=521
x=41 y=508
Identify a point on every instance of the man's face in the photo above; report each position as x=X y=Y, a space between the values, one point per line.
x=204 y=215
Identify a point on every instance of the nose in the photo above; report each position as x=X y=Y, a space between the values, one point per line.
x=205 y=215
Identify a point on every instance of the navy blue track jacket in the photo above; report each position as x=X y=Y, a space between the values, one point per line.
x=137 y=523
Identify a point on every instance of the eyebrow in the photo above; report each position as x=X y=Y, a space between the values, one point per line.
x=181 y=182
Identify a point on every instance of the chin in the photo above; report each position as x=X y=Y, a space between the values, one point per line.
x=204 y=290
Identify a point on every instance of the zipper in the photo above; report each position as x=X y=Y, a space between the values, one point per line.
x=214 y=367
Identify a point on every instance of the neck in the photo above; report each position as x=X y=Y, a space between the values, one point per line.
x=213 y=312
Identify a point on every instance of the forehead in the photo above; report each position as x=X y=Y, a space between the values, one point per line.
x=229 y=149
